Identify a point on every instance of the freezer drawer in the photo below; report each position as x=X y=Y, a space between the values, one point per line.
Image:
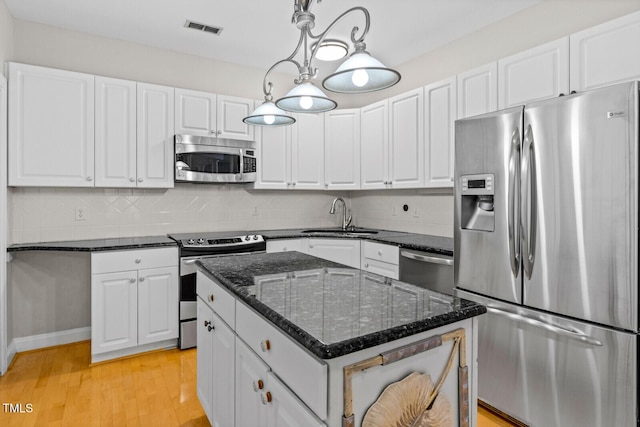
x=550 y=371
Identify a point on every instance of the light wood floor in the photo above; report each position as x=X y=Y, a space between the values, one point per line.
x=156 y=389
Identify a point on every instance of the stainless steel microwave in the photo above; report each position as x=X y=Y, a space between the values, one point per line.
x=214 y=160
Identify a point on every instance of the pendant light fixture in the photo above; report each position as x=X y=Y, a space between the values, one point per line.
x=359 y=73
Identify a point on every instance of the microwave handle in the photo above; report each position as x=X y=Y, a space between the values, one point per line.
x=241 y=164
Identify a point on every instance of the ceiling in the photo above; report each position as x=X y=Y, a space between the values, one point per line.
x=259 y=32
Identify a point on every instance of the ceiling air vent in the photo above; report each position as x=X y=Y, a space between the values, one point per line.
x=203 y=27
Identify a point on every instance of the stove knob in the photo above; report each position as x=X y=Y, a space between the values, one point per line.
x=255 y=237
x=247 y=238
x=201 y=241
x=191 y=241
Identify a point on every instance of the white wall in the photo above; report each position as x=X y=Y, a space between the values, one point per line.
x=6 y=35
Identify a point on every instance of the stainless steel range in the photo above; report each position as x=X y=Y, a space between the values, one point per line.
x=195 y=246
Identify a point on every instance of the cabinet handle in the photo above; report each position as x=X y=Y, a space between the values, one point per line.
x=209 y=325
x=141 y=279
x=132 y=280
x=138 y=260
x=266 y=398
x=284 y=249
x=265 y=346
x=132 y=180
x=140 y=179
x=258 y=385
x=366 y=265
x=89 y=178
x=211 y=298
x=219 y=132
x=212 y=131
x=379 y=253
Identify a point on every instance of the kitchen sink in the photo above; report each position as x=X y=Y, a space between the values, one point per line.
x=340 y=232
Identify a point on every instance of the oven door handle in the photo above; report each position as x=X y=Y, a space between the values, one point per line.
x=190 y=261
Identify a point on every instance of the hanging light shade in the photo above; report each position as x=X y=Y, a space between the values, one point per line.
x=361 y=73
x=306 y=98
x=268 y=114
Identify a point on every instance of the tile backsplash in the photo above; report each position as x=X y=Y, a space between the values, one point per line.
x=56 y=214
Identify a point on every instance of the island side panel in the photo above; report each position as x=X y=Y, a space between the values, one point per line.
x=368 y=385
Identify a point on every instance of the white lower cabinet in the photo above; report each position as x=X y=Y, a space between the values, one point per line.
x=133 y=310
x=381 y=259
x=238 y=371
x=287 y=245
x=343 y=251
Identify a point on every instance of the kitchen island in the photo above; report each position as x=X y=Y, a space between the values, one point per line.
x=290 y=339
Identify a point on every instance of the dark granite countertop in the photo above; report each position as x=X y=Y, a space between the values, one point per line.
x=96 y=245
x=330 y=309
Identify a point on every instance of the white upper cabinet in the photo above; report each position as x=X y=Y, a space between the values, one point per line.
x=342 y=149
x=155 y=165
x=51 y=127
x=535 y=74
x=195 y=113
x=606 y=54
x=292 y=157
x=230 y=112
x=115 y=133
x=207 y=114
x=406 y=139
x=307 y=152
x=478 y=91
x=374 y=131
x=439 y=124
x=273 y=157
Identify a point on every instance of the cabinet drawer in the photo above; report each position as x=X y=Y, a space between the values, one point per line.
x=286 y=245
x=382 y=268
x=136 y=259
x=218 y=298
x=380 y=252
x=304 y=374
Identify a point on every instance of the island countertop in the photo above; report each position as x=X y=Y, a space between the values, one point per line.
x=330 y=309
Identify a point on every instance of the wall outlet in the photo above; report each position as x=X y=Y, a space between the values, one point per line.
x=255 y=211
x=416 y=212
x=81 y=214
x=394 y=210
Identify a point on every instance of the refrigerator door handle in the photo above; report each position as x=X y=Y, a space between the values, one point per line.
x=514 y=203
x=529 y=214
x=573 y=334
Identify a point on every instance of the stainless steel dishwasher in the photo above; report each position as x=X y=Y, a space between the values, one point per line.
x=427 y=270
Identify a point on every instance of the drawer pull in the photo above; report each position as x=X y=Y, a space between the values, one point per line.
x=138 y=260
x=141 y=279
x=208 y=325
x=265 y=346
x=366 y=265
x=211 y=298
x=266 y=398
x=258 y=385
x=380 y=253
x=132 y=280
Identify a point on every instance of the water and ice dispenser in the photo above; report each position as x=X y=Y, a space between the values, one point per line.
x=477 y=193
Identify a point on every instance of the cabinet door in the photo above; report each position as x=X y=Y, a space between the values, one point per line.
x=114 y=311
x=478 y=91
x=287 y=245
x=115 y=132
x=251 y=384
x=222 y=374
x=285 y=410
x=230 y=112
x=535 y=74
x=204 y=356
x=605 y=54
x=342 y=149
x=195 y=112
x=273 y=157
x=374 y=158
x=155 y=156
x=158 y=303
x=51 y=127
x=439 y=125
x=343 y=251
x=307 y=152
x=406 y=141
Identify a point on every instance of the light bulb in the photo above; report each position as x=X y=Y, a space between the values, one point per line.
x=360 y=78
x=269 y=119
x=306 y=102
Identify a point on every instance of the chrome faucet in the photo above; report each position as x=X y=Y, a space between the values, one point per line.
x=345 y=221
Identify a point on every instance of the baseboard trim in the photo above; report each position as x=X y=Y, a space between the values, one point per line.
x=35 y=342
x=11 y=354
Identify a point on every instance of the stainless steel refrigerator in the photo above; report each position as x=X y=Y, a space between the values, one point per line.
x=546 y=236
